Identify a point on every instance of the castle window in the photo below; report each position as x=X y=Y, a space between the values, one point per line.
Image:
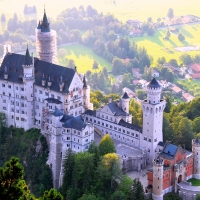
x=58 y=97
x=22 y=119
x=68 y=130
x=155 y=140
x=74 y=131
x=68 y=138
x=12 y=117
x=123 y=131
x=98 y=122
x=80 y=104
x=86 y=140
x=17 y=118
x=102 y=124
x=158 y=178
x=9 y=86
x=35 y=90
x=22 y=112
x=106 y=125
x=128 y=132
x=158 y=187
x=94 y=121
x=4 y=93
x=106 y=117
x=197 y=153
x=22 y=89
x=68 y=145
x=110 y=126
x=40 y=91
x=4 y=101
x=46 y=93
x=22 y=97
x=4 y=108
x=86 y=133
x=52 y=96
x=149 y=140
x=3 y=85
x=132 y=134
x=74 y=139
x=136 y=135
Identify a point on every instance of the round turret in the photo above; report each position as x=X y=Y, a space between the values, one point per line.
x=196 y=153
x=125 y=102
x=154 y=90
x=158 y=178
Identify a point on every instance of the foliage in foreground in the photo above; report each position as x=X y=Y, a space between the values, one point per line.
x=13 y=186
x=31 y=148
x=96 y=175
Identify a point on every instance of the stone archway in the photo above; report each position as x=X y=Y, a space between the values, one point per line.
x=179 y=178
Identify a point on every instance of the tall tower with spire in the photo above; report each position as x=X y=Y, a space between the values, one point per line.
x=46 y=44
x=153 y=108
x=28 y=80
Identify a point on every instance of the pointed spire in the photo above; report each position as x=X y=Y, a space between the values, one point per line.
x=125 y=96
x=45 y=23
x=84 y=82
x=39 y=25
x=27 y=60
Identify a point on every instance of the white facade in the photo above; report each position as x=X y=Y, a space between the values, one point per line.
x=153 y=108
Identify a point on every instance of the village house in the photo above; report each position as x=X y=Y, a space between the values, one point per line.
x=176 y=90
x=136 y=73
x=130 y=92
x=140 y=82
x=187 y=97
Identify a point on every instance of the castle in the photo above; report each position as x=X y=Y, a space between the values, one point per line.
x=35 y=92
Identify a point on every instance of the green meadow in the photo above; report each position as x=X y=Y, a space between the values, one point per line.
x=84 y=58
x=158 y=47
x=123 y=10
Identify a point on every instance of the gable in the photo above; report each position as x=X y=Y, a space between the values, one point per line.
x=76 y=82
x=106 y=110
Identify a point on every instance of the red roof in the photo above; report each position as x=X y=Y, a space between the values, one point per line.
x=176 y=89
x=187 y=96
x=126 y=60
x=137 y=31
x=135 y=70
x=196 y=76
x=195 y=67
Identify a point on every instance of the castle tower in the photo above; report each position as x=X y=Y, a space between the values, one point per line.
x=196 y=153
x=55 y=155
x=28 y=79
x=86 y=94
x=157 y=179
x=46 y=44
x=125 y=102
x=153 y=108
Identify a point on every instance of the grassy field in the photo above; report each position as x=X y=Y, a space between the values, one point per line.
x=193 y=86
x=195 y=182
x=122 y=9
x=158 y=47
x=84 y=58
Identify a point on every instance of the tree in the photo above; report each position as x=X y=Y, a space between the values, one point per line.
x=109 y=169
x=117 y=66
x=12 y=185
x=170 y=13
x=62 y=53
x=88 y=197
x=185 y=59
x=118 y=195
x=196 y=125
x=3 y=17
x=106 y=145
x=71 y=64
x=185 y=133
x=141 y=94
x=173 y=62
x=168 y=34
x=95 y=65
x=161 y=61
x=198 y=197
x=168 y=132
x=52 y=194
x=168 y=104
x=125 y=186
x=181 y=37
x=105 y=71
x=197 y=58
x=68 y=169
x=137 y=190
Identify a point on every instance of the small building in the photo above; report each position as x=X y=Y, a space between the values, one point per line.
x=194 y=68
x=195 y=76
x=187 y=97
x=140 y=82
x=130 y=93
x=136 y=73
x=176 y=90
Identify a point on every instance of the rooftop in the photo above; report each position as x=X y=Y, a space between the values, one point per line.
x=154 y=84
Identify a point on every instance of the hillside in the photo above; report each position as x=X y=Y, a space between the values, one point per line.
x=31 y=147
